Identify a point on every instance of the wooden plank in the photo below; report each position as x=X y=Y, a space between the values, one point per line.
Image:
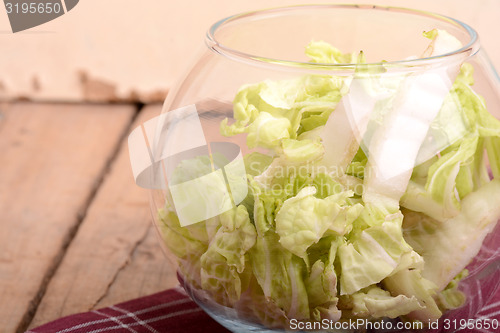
x=2 y=107
x=115 y=255
x=147 y=272
x=52 y=157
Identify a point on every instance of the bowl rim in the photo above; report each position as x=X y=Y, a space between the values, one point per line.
x=469 y=49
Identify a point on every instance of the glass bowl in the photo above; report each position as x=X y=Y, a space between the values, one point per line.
x=331 y=168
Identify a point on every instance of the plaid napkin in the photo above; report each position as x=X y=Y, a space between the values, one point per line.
x=171 y=311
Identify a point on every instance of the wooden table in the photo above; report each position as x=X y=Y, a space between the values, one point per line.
x=75 y=231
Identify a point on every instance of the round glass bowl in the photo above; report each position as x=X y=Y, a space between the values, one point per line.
x=328 y=164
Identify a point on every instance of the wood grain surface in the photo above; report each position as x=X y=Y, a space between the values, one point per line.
x=115 y=256
x=52 y=160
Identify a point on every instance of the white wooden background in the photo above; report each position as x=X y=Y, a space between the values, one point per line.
x=129 y=49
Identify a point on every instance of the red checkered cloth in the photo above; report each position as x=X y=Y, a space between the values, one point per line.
x=171 y=311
